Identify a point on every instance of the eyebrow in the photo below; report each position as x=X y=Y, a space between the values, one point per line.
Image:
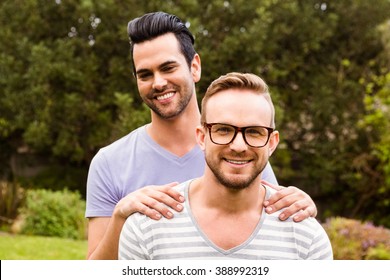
x=166 y=63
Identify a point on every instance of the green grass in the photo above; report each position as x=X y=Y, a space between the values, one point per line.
x=22 y=247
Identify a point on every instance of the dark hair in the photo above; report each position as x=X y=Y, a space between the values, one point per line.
x=152 y=25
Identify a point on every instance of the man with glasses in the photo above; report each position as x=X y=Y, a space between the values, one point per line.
x=223 y=216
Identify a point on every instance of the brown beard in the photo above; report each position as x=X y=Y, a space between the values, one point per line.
x=230 y=184
x=183 y=103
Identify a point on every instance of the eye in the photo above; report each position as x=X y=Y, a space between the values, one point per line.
x=223 y=129
x=169 y=68
x=144 y=76
x=256 y=131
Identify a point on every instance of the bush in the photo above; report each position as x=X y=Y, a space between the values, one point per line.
x=49 y=213
x=355 y=240
x=11 y=198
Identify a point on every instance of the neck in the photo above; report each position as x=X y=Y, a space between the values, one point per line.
x=176 y=135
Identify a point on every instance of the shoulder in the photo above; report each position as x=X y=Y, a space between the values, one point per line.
x=124 y=141
x=142 y=221
x=268 y=191
x=121 y=146
x=182 y=188
x=310 y=224
x=269 y=175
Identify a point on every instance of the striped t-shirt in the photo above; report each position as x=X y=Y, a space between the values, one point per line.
x=181 y=238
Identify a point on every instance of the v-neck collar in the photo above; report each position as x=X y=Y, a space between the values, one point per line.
x=211 y=243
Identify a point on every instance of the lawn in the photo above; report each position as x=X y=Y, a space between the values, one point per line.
x=22 y=247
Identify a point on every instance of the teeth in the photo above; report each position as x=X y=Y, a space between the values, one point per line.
x=237 y=161
x=165 y=96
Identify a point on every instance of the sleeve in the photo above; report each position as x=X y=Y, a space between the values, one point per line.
x=101 y=196
x=268 y=175
x=131 y=243
x=321 y=248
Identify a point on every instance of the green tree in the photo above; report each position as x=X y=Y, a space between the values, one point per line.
x=376 y=123
x=61 y=66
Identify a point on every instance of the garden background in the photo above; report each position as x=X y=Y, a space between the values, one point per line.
x=67 y=89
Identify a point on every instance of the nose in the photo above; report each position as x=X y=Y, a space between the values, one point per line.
x=159 y=82
x=238 y=144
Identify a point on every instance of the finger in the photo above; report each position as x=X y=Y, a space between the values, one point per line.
x=301 y=215
x=151 y=213
x=163 y=202
x=131 y=205
x=295 y=208
x=167 y=197
x=154 y=207
x=289 y=199
x=300 y=208
x=273 y=186
x=167 y=189
x=306 y=213
x=170 y=185
x=277 y=196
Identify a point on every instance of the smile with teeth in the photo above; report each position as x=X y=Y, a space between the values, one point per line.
x=239 y=162
x=165 y=96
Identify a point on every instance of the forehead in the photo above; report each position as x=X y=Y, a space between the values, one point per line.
x=241 y=107
x=154 y=52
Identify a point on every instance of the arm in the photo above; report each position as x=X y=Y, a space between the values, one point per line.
x=103 y=236
x=153 y=201
x=293 y=199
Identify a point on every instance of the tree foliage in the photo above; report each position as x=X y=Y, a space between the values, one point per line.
x=66 y=87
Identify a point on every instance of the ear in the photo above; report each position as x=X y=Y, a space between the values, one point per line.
x=200 y=136
x=273 y=142
x=196 y=68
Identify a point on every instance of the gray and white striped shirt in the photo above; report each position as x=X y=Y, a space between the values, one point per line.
x=181 y=238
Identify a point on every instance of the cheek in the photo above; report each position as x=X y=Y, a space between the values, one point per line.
x=265 y=155
x=143 y=88
x=214 y=152
x=144 y=83
x=209 y=155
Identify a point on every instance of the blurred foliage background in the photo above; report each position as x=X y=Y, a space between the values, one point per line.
x=67 y=89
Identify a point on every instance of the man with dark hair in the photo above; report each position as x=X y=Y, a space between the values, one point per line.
x=163 y=152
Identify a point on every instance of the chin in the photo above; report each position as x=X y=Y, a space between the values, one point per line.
x=236 y=184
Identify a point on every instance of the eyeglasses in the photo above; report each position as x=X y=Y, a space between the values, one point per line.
x=224 y=134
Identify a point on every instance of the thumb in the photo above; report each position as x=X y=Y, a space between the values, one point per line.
x=172 y=184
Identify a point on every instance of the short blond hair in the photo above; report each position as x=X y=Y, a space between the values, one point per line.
x=237 y=80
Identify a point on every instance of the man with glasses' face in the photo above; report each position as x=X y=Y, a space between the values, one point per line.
x=238 y=133
x=223 y=215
